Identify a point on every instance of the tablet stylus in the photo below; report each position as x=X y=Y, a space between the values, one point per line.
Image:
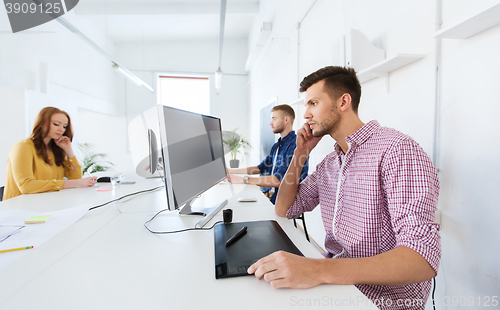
x=236 y=236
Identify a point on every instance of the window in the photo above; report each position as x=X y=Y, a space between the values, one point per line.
x=185 y=92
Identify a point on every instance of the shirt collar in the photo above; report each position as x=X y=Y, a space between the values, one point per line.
x=288 y=137
x=360 y=135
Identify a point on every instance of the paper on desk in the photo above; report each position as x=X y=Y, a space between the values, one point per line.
x=7 y=230
x=34 y=235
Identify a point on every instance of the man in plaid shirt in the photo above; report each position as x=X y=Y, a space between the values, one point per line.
x=378 y=193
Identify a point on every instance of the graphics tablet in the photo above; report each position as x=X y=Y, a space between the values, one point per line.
x=262 y=238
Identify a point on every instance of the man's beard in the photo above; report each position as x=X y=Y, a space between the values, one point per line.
x=327 y=126
x=278 y=129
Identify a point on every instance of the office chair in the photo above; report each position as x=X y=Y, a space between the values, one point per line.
x=268 y=194
x=303 y=218
x=1 y=194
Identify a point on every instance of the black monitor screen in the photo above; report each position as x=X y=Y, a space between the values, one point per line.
x=193 y=153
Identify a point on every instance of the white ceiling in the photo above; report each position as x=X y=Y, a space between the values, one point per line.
x=166 y=20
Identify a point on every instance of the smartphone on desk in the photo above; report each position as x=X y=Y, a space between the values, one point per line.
x=128 y=182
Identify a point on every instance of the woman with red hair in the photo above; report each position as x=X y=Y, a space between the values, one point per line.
x=40 y=163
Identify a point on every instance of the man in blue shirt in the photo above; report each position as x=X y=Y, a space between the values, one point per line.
x=275 y=165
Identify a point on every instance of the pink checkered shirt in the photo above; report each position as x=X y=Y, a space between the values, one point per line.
x=380 y=195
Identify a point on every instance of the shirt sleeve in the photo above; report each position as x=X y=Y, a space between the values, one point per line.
x=68 y=169
x=412 y=190
x=305 y=170
x=307 y=197
x=22 y=158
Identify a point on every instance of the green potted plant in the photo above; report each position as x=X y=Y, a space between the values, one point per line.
x=234 y=144
x=93 y=162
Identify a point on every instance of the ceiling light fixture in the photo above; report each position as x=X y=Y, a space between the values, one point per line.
x=218 y=80
x=218 y=73
x=132 y=77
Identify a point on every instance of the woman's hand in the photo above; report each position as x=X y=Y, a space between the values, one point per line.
x=65 y=144
x=83 y=182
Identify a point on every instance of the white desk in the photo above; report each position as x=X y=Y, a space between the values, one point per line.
x=108 y=260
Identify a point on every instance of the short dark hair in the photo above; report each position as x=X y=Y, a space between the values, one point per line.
x=285 y=108
x=338 y=81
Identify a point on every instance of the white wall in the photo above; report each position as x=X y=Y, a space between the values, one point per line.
x=189 y=57
x=469 y=154
x=16 y=127
x=77 y=78
x=469 y=145
x=109 y=136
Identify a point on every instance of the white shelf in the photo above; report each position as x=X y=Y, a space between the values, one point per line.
x=382 y=69
x=299 y=101
x=472 y=25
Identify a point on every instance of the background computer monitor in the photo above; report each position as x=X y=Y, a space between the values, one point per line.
x=143 y=141
x=153 y=152
x=192 y=156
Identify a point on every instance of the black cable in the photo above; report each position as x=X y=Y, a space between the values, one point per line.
x=181 y=230
x=174 y=231
x=433 y=291
x=145 y=224
x=131 y=194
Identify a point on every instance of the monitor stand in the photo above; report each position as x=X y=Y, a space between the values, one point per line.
x=207 y=213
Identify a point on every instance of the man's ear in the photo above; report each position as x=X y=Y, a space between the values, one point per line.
x=345 y=102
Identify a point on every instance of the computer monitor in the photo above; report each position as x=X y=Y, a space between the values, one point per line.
x=192 y=156
x=143 y=140
x=153 y=152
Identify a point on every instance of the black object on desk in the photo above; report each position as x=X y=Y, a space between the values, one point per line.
x=227 y=215
x=103 y=180
x=262 y=239
x=236 y=236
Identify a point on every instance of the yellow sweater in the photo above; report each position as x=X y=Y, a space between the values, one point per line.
x=27 y=173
